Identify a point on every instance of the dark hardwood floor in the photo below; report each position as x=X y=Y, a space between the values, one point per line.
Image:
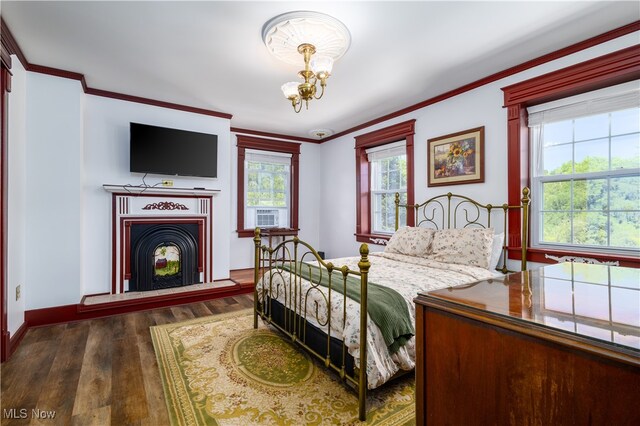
x=96 y=372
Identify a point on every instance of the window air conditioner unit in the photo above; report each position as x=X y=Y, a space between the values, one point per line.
x=267 y=218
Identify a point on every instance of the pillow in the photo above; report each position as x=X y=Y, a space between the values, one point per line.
x=467 y=246
x=496 y=250
x=411 y=241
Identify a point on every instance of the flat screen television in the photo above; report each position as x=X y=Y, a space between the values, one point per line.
x=164 y=151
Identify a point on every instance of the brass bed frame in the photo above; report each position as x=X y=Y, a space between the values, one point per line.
x=440 y=212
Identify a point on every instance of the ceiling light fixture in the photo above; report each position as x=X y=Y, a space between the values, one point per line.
x=306 y=33
x=320 y=133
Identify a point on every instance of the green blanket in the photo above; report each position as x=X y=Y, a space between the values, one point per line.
x=386 y=307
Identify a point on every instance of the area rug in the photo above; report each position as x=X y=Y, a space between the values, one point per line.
x=219 y=370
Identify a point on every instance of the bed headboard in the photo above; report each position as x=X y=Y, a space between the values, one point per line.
x=458 y=211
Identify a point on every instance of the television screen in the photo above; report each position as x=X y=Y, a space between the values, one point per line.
x=172 y=152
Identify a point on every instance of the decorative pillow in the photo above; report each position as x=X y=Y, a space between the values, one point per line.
x=496 y=250
x=467 y=246
x=411 y=241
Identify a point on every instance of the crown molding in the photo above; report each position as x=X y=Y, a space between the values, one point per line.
x=14 y=48
x=274 y=135
x=9 y=43
x=585 y=44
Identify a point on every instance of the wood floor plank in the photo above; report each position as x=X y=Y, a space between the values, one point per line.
x=129 y=402
x=182 y=313
x=200 y=310
x=23 y=376
x=151 y=378
x=97 y=372
x=59 y=389
x=98 y=417
x=94 y=385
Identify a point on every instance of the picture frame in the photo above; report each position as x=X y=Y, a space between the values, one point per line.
x=457 y=158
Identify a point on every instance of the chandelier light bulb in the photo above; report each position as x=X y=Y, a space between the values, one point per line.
x=290 y=89
x=321 y=66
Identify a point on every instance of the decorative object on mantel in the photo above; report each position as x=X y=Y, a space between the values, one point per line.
x=579 y=259
x=165 y=205
x=456 y=159
x=306 y=33
x=380 y=241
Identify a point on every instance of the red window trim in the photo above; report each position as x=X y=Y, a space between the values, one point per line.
x=249 y=142
x=608 y=70
x=395 y=133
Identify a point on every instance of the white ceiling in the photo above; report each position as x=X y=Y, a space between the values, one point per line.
x=211 y=55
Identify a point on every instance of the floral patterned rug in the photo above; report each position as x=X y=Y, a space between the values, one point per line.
x=219 y=370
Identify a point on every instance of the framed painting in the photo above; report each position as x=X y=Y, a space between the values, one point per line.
x=456 y=159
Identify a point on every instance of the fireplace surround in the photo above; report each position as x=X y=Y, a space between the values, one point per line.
x=178 y=219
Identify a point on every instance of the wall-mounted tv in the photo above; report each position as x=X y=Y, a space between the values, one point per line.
x=165 y=151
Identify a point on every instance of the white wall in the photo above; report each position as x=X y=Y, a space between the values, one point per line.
x=106 y=160
x=478 y=107
x=53 y=191
x=16 y=235
x=242 y=249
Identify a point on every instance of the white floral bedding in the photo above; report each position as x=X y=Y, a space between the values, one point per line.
x=408 y=275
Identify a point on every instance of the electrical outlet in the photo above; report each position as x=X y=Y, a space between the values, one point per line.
x=17 y=292
x=167 y=183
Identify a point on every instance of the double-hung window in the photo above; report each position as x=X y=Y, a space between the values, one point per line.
x=267 y=189
x=388 y=166
x=585 y=171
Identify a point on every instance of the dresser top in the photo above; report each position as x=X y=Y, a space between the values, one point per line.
x=597 y=303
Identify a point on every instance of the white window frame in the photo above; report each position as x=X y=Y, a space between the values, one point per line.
x=375 y=155
x=268 y=157
x=611 y=99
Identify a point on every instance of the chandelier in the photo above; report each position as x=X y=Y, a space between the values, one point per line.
x=305 y=33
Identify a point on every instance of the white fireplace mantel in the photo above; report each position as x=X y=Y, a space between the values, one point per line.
x=134 y=205
x=158 y=190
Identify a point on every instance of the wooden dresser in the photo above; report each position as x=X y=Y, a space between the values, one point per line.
x=559 y=345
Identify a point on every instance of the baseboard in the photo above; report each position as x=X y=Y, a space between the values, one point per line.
x=15 y=340
x=79 y=312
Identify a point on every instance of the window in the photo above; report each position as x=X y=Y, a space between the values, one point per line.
x=604 y=71
x=267 y=184
x=585 y=171
x=384 y=166
x=388 y=165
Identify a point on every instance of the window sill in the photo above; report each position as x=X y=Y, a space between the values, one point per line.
x=245 y=233
x=366 y=238
x=538 y=255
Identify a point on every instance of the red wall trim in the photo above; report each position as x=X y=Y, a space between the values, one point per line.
x=245 y=142
x=585 y=44
x=162 y=104
x=13 y=48
x=397 y=132
x=9 y=45
x=78 y=312
x=5 y=88
x=274 y=135
x=268 y=145
x=617 y=67
x=17 y=338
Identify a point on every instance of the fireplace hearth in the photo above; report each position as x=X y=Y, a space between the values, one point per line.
x=163 y=255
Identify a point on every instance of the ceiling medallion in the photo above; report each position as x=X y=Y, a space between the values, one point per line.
x=320 y=133
x=306 y=33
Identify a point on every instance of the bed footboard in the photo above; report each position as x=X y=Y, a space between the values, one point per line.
x=278 y=274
